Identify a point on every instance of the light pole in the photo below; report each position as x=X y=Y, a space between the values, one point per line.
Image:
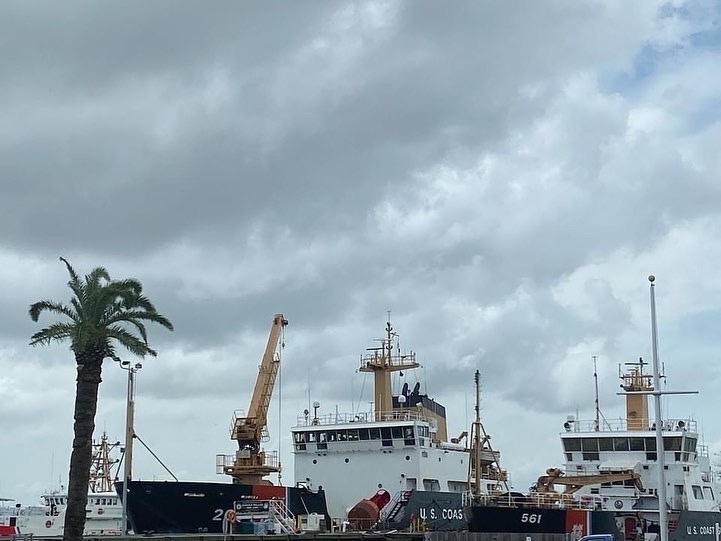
x=129 y=434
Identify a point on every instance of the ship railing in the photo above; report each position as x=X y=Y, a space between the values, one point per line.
x=621 y=425
x=554 y=500
x=267 y=459
x=361 y=417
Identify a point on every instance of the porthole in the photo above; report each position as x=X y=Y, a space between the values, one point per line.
x=346 y=461
x=408 y=457
x=315 y=461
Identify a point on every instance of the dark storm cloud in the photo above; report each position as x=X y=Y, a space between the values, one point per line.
x=274 y=146
x=459 y=167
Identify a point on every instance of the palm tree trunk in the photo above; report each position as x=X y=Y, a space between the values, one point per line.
x=86 y=404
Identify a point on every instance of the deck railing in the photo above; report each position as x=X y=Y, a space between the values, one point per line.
x=620 y=425
x=362 y=417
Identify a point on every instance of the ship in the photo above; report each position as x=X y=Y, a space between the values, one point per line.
x=394 y=467
x=614 y=476
x=103 y=510
x=248 y=502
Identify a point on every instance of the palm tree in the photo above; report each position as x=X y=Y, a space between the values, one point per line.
x=102 y=313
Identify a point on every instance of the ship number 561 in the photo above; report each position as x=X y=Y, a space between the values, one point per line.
x=531 y=518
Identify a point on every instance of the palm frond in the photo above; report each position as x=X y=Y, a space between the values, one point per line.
x=130 y=342
x=96 y=276
x=74 y=283
x=51 y=306
x=56 y=331
x=131 y=318
x=101 y=311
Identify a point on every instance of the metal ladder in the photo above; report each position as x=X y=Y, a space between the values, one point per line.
x=282 y=516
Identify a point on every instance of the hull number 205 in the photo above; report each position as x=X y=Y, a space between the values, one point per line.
x=531 y=518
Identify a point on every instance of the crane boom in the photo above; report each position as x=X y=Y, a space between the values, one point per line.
x=250 y=463
x=247 y=430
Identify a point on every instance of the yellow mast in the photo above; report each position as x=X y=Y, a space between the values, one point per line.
x=381 y=362
x=635 y=381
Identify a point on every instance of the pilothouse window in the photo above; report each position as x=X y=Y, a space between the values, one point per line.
x=572 y=444
x=672 y=443
x=605 y=444
x=620 y=444
x=299 y=441
x=636 y=444
x=689 y=444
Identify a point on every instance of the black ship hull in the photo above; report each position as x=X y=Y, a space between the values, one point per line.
x=198 y=507
x=535 y=522
x=427 y=511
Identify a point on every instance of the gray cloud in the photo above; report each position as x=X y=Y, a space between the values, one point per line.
x=500 y=177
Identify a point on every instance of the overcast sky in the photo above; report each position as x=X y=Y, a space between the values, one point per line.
x=501 y=176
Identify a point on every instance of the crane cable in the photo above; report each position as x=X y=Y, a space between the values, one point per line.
x=280 y=398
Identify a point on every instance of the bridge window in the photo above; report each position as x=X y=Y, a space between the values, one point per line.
x=620 y=444
x=375 y=433
x=572 y=444
x=364 y=434
x=589 y=444
x=353 y=435
x=708 y=491
x=650 y=444
x=408 y=436
x=697 y=493
x=689 y=444
x=672 y=443
x=299 y=441
x=605 y=444
x=636 y=444
x=322 y=439
x=387 y=436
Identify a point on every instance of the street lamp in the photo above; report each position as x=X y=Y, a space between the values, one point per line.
x=129 y=433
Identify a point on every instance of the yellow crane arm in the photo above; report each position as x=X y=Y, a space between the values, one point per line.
x=247 y=430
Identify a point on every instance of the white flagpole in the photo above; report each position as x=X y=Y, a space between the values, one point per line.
x=660 y=451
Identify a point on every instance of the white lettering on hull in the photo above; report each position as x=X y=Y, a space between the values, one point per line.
x=444 y=514
x=714 y=530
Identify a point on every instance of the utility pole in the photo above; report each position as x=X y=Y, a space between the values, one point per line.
x=129 y=435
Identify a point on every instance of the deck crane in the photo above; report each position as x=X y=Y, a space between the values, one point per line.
x=251 y=463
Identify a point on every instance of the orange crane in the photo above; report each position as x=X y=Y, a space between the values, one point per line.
x=251 y=463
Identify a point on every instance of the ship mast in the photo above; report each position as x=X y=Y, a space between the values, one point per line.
x=477 y=436
x=481 y=443
x=660 y=451
x=101 y=479
x=381 y=362
x=636 y=388
x=595 y=382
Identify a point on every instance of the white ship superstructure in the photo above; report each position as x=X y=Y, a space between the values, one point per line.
x=399 y=447
x=104 y=509
x=613 y=465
